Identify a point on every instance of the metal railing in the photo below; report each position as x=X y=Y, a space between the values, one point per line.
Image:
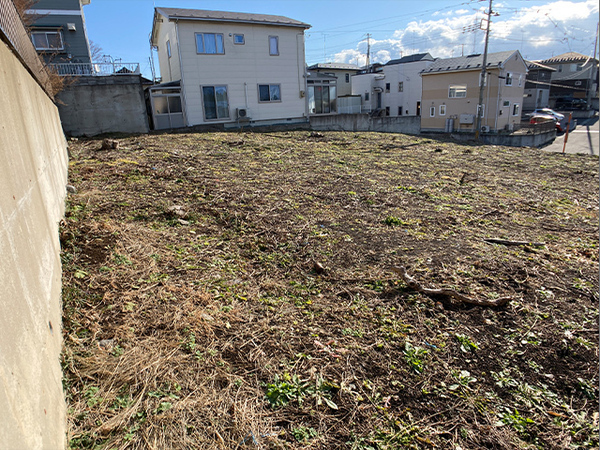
x=13 y=32
x=95 y=69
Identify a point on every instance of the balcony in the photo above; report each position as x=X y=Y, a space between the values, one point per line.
x=95 y=69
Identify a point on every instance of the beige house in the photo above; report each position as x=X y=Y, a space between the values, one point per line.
x=228 y=68
x=451 y=92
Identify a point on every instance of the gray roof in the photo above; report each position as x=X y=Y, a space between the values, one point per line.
x=470 y=62
x=411 y=58
x=566 y=57
x=334 y=66
x=227 y=16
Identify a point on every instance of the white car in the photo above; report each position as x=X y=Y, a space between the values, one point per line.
x=549 y=112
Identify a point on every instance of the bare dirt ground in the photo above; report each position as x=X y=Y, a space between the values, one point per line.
x=234 y=290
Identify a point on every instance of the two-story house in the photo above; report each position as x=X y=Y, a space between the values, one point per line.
x=395 y=88
x=575 y=76
x=228 y=67
x=537 y=86
x=58 y=31
x=451 y=89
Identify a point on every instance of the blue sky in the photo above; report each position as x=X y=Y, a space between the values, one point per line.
x=538 y=28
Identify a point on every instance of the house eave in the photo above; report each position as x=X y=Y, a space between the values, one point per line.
x=252 y=22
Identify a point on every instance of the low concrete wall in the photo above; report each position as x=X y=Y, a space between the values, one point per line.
x=33 y=174
x=364 y=122
x=510 y=140
x=107 y=104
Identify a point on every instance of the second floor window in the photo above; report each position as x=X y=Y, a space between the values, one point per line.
x=209 y=44
x=274 y=45
x=347 y=78
x=457 y=91
x=387 y=87
x=239 y=39
x=47 y=40
x=269 y=93
x=509 y=78
x=401 y=86
x=169 y=49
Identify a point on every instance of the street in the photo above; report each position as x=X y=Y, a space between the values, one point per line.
x=583 y=139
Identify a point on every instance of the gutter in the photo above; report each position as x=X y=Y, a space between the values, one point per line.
x=183 y=87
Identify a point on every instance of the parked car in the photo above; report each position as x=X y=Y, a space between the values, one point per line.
x=541 y=118
x=565 y=104
x=545 y=113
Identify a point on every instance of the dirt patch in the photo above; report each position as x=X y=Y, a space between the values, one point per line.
x=231 y=290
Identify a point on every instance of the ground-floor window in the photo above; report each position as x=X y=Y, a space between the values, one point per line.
x=399 y=110
x=269 y=93
x=516 y=109
x=216 y=103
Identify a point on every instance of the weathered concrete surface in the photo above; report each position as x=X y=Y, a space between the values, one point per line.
x=364 y=122
x=33 y=173
x=93 y=105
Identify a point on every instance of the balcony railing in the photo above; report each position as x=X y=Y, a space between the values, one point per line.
x=95 y=69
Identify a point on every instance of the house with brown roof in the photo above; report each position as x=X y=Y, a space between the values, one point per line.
x=575 y=76
x=451 y=88
x=228 y=68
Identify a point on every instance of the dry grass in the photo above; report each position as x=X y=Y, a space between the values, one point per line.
x=195 y=315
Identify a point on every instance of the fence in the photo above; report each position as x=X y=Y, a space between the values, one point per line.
x=95 y=69
x=13 y=32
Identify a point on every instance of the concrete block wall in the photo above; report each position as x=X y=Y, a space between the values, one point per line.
x=364 y=122
x=33 y=175
x=93 y=105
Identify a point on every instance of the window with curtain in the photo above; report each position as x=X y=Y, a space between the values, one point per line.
x=274 y=45
x=209 y=44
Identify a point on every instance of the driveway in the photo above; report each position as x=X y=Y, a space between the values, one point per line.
x=583 y=139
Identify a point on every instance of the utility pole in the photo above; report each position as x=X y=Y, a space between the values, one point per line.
x=483 y=74
x=368 y=51
x=593 y=71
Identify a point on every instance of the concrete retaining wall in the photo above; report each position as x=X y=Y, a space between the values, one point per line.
x=364 y=122
x=510 y=140
x=33 y=174
x=108 y=104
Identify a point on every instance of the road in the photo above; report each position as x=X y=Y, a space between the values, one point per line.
x=583 y=139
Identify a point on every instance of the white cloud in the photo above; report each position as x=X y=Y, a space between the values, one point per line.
x=538 y=31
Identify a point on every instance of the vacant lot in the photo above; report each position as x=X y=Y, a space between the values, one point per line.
x=234 y=290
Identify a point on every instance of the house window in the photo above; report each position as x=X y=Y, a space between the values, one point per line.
x=387 y=87
x=509 y=79
x=169 y=49
x=457 y=91
x=387 y=111
x=322 y=99
x=399 y=110
x=516 y=109
x=47 y=40
x=216 y=103
x=560 y=67
x=347 y=78
x=209 y=44
x=269 y=93
x=520 y=80
x=579 y=67
x=432 y=111
x=238 y=39
x=401 y=86
x=506 y=103
x=274 y=45
x=442 y=110
x=366 y=96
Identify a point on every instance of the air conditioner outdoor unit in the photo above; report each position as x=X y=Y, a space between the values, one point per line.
x=242 y=113
x=485 y=129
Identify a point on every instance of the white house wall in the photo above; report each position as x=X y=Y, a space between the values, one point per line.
x=169 y=67
x=242 y=68
x=408 y=74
